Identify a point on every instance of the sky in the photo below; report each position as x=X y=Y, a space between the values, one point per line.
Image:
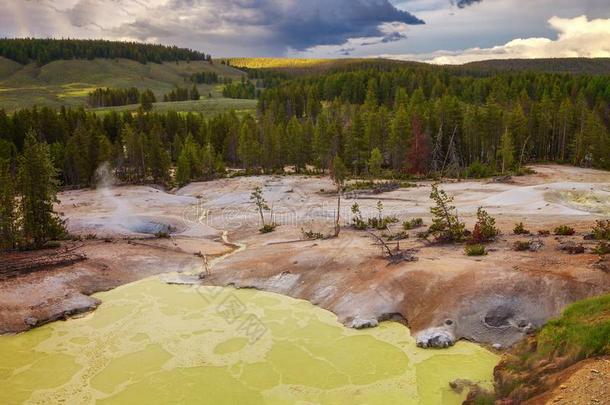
x=437 y=31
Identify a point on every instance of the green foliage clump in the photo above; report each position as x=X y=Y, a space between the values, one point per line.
x=478 y=170
x=564 y=230
x=268 y=228
x=446 y=226
x=602 y=248
x=311 y=235
x=519 y=229
x=379 y=222
x=582 y=331
x=475 y=250
x=601 y=231
x=485 y=229
x=412 y=224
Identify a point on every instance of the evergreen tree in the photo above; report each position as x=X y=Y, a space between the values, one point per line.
x=37 y=185
x=8 y=215
x=195 y=93
x=375 y=163
x=507 y=151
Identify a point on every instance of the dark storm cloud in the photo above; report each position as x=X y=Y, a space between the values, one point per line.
x=296 y=24
x=465 y=3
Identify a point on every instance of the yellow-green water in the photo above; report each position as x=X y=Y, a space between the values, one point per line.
x=151 y=343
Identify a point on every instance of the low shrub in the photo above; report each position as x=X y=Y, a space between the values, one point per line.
x=544 y=232
x=478 y=170
x=564 y=230
x=311 y=235
x=412 y=224
x=162 y=235
x=268 y=228
x=520 y=229
x=602 y=248
x=475 y=250
x=485 y=229
x=381 y=223
x=601 y=231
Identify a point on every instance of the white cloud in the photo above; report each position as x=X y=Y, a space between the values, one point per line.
x=576 y=37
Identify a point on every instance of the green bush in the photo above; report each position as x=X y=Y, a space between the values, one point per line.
x=311 y=235
x=478 y=170
x=412 y=224
x=485 y=229
x=564 y=230
x=475 y=250
x=520 y=229
x=602 y=248
x=601 y=231
x=268 y=228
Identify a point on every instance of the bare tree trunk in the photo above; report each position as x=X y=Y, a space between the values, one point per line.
x=338 y=217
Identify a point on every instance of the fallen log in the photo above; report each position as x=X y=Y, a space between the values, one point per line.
x=23 y=265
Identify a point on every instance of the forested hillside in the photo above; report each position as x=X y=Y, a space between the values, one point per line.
x=43 y=51
x=597 y=66
x=389 y=120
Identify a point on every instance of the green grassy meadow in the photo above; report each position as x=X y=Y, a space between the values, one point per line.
x=67 y=82
x=206 y=106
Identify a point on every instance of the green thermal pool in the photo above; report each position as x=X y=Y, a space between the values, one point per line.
x=152 y=343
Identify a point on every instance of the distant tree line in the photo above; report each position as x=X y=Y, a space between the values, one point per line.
x=182 y=94
x=109 y=97
x=380 y=122
x=208 y=78
x=43 y=51
x=426 y=119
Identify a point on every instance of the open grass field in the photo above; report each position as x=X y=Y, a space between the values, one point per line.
x=206 y=106
x=68 y=82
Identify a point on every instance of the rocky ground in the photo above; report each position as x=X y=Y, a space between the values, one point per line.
x=443 y=296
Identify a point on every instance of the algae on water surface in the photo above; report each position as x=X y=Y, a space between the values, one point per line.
x=154 y=343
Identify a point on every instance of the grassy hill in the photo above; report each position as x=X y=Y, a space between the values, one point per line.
x=67 y=82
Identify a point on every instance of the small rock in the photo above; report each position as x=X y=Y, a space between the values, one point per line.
x=439 y=338
x=497 y=346
x=594 y=371
x=359 y=323
x=563 y=387
x=31 y=321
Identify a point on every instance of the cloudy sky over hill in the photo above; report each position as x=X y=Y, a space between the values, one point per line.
x=442 y=31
